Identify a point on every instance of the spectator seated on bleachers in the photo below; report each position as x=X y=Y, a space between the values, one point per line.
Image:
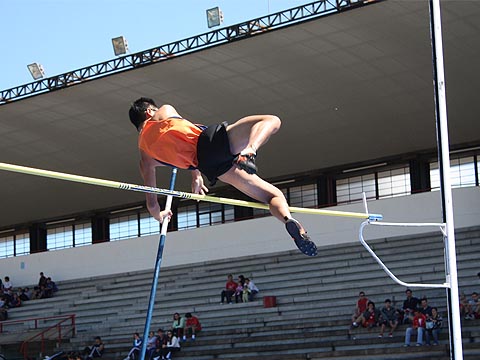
x=160 y=345
x=239 y=289
x=151 y=345
x=94 y=351
x=473 y=307
x=192 y=326
x=463 y=304
x=409 y=306
x=433 y=326
x=178 y=325
x=425 y=309
x=370 y=318
x=173 y=345
x=229 y=290
x=389 y=318
x=3 y=309
x=134 y=352
x=418 y=328
x=15 y=302
x=51 y=286
x=23 y=294
x=249 y=290
x=8 y=290
x=360 y=306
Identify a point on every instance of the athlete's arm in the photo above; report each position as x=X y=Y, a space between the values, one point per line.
x=198 y=187
x=147 y=170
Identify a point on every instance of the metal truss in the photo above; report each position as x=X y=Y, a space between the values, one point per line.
x=164 y=52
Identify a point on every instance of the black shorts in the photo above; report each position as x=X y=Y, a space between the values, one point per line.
x=213 y=152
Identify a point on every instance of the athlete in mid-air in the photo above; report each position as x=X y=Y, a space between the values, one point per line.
x=224 y=152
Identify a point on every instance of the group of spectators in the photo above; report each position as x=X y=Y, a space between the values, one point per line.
x=164 y=345
x=244 y=290
x=470 y=308
x=424 y=321
x=11 y=298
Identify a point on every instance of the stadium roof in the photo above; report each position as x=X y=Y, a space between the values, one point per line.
x=350 y=87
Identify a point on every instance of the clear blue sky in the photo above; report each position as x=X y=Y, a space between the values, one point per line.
x=65 y=35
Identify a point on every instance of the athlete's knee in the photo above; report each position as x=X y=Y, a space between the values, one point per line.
x=275 y=122
x=276 y=195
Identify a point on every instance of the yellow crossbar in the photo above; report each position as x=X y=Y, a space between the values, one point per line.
x=180 y=194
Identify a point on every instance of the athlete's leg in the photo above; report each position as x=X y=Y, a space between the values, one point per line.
x=260 y=190
x=251 y=132
x=265 y=192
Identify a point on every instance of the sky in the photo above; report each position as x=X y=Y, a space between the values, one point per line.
x=65 y=35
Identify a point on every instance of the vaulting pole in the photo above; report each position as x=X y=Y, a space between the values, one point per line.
x=158 y=264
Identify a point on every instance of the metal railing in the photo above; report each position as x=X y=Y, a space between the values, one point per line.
x=64 y=325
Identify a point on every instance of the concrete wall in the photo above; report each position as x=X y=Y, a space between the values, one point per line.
x=238 y=239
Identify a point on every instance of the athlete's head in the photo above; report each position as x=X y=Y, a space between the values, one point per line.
x=138 y=110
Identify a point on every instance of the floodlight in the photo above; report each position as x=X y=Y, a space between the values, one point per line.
x=120 y=45
x=36 y=70
x=214 y=17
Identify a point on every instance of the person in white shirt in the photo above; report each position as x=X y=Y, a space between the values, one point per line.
x=173 y=345
x=253 y=289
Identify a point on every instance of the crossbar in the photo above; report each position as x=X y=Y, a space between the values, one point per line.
x=179 y=194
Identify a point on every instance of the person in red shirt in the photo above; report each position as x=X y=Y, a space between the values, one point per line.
x=361 y=305
x=192 y=324
x=418 y=328
x=230 y=288
x=220 y=152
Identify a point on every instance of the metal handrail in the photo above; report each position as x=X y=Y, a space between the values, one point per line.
x=57 y=326
x=8 y=322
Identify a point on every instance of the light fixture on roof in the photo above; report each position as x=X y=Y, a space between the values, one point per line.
x=36 y=70
x=120 y=45
x=214 y=17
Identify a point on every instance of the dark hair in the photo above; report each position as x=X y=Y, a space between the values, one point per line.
x=408 y=290
x=388 y=300
x=137 y=111
x=435 y=308
x=188 y=315
x=371 y=302
x=160 y=330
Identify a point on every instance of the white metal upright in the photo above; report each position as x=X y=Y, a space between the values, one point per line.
x=456 y=351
